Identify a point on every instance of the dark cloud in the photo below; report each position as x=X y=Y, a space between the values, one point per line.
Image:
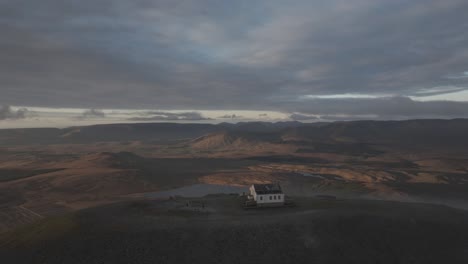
x=380 y=108
x=6 y=112
x=302 y=117
x=92 y=113
x=245 y=54
x=346 y=118
x=166 y=116
x=230 y=116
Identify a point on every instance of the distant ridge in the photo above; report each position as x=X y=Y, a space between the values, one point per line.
x=423 y=131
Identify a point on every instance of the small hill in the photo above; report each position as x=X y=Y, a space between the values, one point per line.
x=113 y=160
x=216 y=140
x=235 y=140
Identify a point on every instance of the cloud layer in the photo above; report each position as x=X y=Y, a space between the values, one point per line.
x=92 y=113
x=254 y=55
x=168 y=116
x=6 y=112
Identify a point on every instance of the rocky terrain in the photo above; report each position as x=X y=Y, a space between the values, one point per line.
x=62 y=174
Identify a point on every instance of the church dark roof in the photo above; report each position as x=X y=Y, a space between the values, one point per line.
x=267 y=188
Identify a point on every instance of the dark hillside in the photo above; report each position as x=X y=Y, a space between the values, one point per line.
x=414 y=132
x=315 y=232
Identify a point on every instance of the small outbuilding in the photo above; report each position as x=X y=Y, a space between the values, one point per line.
x=267 y=194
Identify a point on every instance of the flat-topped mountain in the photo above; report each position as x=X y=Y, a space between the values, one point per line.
x=431 y=131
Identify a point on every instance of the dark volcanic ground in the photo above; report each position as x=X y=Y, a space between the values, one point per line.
x=315 y=231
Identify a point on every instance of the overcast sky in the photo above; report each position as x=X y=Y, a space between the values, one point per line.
x=376 y=59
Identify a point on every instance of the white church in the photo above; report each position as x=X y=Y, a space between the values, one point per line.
x=267 y=194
